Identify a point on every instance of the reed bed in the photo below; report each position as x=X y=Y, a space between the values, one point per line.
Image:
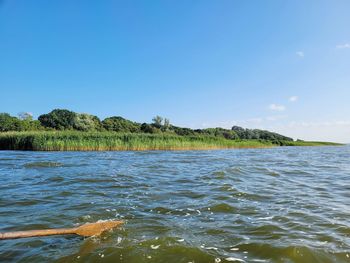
x=112 y=141
x=310 y=143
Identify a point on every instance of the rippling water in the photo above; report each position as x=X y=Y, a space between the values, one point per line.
x=285 y=204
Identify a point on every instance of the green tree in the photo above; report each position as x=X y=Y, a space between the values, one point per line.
x=220 y=132
x=26 y=122
x=166 y=125
x=86 y=122
x=183 y=131
x=25 y=116
x=157 y=121
x=259 y=135
x=9 y=123
x=120 y=124
x=30 y=125
x=59 y=119
x=148 y=128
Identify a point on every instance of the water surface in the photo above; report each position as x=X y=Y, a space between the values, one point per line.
x=287 y=204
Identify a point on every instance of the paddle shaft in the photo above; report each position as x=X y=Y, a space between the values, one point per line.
x=35 y=233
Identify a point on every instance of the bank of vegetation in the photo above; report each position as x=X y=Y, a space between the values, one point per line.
x=66 y=130
x=107 y=141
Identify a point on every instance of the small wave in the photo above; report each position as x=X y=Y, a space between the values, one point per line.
x=219 y=174
x=43 y=164
x=97 y=180
x=237 y=171
x=184 y=181
x=178 y=212
x=251 y=196
x=215 y=231
x=190 y=194
x=226 y=188
x=163 y=210
x=26 y=202
x=267 y=232
x=54 y=179
x=267 y=171
x=297 y=172
x=222 y=208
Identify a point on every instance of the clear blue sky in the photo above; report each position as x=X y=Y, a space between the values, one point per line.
x=279 y=65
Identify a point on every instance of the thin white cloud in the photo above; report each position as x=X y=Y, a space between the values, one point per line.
x=275 y=117
x=293 y=98
x=300 y=54
x=277 y=107
x=293 y=124
x=255 y=120
x=342 y=46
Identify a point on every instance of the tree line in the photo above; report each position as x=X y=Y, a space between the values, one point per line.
x=62 y=119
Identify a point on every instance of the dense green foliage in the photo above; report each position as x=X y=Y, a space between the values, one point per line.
x=220 y=132
x=86 y=122
x=58 y=119
x=120 y=124
x=257 y=134
x=10 y=123
x=85 y=131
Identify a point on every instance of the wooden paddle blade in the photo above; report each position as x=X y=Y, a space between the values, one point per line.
x=95 y=229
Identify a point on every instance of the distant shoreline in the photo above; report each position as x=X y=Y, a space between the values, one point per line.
x=114 y=141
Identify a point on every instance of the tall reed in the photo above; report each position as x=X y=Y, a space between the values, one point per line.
x=106 y=141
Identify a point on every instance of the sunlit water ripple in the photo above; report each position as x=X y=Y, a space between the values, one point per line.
x=285 y=204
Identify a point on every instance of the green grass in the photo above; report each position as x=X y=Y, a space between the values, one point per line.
x=310 y=143
x=112 y=141
x=105 y=141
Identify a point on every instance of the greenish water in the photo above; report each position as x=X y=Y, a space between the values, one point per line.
x=286 y=204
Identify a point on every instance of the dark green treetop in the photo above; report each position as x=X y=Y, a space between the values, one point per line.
x=58 y=119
